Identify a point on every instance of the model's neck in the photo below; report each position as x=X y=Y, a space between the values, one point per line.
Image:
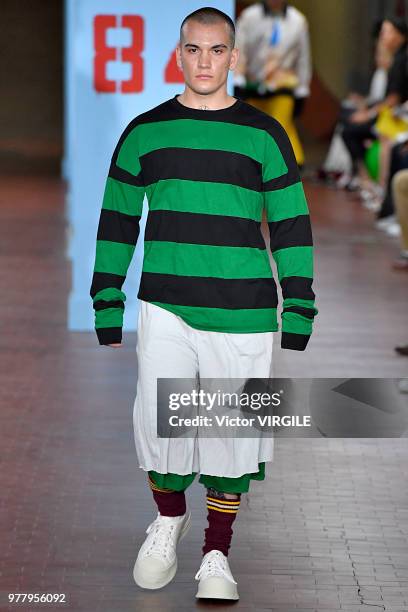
x=206 y=102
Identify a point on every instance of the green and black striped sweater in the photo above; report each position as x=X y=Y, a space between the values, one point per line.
x=207 y=175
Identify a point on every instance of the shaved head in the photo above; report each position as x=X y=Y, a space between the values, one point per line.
x=209 y=16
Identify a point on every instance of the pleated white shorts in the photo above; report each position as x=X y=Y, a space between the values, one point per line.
x=167 y=347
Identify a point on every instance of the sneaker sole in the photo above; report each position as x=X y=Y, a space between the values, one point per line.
x=216 y=588
x=150 y=581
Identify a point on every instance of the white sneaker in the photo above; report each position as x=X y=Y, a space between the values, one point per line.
x=216 y=580
x=346 y=180
x=366 y=194
x=385 y=221
x=393 y=229
x=374 y=203
x=156 y=563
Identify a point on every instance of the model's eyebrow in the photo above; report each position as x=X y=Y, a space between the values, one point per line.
x=213 y=47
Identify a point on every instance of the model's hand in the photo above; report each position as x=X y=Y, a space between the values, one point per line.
x=116 y=345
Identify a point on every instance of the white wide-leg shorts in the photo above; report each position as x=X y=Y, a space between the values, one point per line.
x=167 y=347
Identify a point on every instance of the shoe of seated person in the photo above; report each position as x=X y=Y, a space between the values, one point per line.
x=383 y=222
x=216 y=579
x=372 y=203
x=393 y=229
x=401 y=263
x=353 y=185
x=402 y=350
x=156 y=563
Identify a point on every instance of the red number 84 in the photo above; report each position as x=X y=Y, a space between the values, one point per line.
x=131 y=54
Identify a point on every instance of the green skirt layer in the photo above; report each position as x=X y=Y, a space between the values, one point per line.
x=178 y=482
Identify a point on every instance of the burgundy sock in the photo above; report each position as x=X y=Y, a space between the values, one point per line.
x=169 y=502
x=221 y=515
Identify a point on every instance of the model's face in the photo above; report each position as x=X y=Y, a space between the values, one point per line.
x=205 y=50
x=275 y=5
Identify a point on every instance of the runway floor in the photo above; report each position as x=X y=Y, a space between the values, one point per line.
x=327 y=529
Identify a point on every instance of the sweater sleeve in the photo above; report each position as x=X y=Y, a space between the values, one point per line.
x=290 y=237
x=118 y=231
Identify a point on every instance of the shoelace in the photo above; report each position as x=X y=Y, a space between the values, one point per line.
x=163 y=535
x=214 y=565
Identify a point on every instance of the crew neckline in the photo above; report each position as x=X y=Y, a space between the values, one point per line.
x=198 y=112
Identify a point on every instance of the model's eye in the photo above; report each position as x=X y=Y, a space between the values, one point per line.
x=218 y=51
x=191 y=50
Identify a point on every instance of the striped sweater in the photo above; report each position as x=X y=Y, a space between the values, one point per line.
x=207 y=175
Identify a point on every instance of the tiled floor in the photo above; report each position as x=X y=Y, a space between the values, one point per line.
x=327 y=530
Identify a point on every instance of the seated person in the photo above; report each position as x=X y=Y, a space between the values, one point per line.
x=400 y=193
x=274 y=67
x=337 y=165
x=358 y=127
x=398 y=161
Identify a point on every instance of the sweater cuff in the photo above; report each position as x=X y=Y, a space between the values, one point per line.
x=296 y=342
x=109 y=335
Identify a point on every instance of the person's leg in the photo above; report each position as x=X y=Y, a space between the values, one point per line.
x=400 y=186
x=222 y=509
x=214 y=574
x=168 y=492
x=227 y=361
x=398 y=161
x=400 y=190
x=354 y=135
x=281 y=107
x=386 y=145
x=163 y=350
x=355 y=147
x=223 y=503
x=228 y=462
x=216 y=579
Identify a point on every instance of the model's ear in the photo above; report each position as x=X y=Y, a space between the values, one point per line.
x=234 y=58
x=178 y=56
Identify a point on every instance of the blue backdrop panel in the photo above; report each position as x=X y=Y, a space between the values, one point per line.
x=120 y=61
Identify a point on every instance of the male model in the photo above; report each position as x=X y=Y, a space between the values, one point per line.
x=209 y=164
x=274 y=68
